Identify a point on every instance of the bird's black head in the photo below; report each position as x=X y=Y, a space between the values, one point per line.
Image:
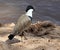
x=29 y=7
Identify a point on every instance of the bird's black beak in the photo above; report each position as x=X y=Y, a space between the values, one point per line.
x=34 y=9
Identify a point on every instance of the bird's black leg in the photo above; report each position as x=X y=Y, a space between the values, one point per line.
x=22 y=36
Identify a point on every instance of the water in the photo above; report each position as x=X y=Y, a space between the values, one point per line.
x=10 y=10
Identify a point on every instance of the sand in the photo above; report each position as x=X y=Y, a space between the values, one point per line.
x=36 y=39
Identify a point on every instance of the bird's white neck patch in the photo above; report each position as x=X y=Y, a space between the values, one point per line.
x=29 y=12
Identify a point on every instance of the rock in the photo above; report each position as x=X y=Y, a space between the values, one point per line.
x=41 y=28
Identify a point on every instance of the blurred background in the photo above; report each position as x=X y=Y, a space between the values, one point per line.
x=10 y=10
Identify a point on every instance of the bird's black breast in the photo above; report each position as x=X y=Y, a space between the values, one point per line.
x=30 y=17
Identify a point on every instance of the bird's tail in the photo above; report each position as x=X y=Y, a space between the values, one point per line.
x=11 y=36
x=14 y=33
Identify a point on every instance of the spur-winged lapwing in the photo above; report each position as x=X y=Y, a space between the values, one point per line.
x=23 y=22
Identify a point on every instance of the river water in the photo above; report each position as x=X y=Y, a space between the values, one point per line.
x=10 y=10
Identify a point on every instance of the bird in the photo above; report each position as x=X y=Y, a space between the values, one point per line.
x=23 y=23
